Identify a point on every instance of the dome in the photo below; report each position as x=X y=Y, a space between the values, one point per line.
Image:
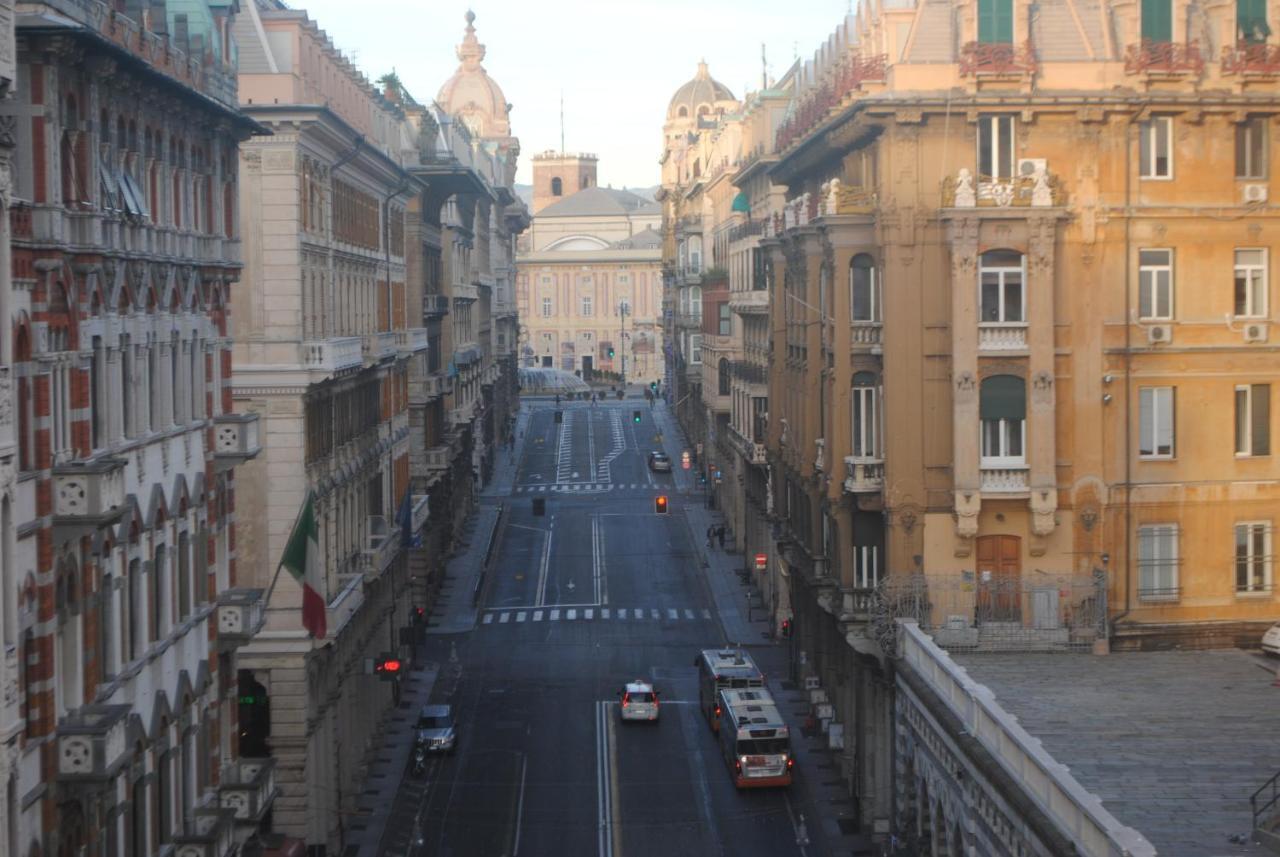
x=473 y=96
x=701 y=93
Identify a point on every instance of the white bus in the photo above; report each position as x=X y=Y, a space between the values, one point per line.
x=754 y=739
x=723 y=669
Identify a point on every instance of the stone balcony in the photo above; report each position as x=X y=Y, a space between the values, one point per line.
x=93 y=743
x=380 y=346
x=7 y=397
x=1002 y=336
x=332 y=355
x=87 y=496
x=240 y=614
x=867 y=334
x=438 y=457
x=344 y=604
x=207 y=831
x=235 y=439
x=863 y=475
x=381 y=545
x=247 y=789
x=435 y=306
x=1005 y=480
x=749 y=301
x=423 y=390
x=412 y=340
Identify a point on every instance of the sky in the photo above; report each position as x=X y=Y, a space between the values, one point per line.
x=617 y=63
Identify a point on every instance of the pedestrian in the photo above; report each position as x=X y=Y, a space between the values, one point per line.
x=720 y=535
x=710 y=532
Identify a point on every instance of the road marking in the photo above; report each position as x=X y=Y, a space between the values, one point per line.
x=504 y=618
x=588 y=614
x=604 y=812
x=706 y=614
x=688 y=614
x=537 y=615
x=571 y=614
x=656 y=614
x=520 y=617
x=672 y=614
x=555 y=615
x=544 y=569
x=488 y=618
x=604 y=614
x=524 y=768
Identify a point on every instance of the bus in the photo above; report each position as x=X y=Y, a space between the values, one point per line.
x=754 y=739
x=721 y=669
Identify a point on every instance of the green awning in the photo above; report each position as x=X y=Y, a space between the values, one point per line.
x=741 y=203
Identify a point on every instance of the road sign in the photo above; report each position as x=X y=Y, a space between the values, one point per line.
x=762 y=560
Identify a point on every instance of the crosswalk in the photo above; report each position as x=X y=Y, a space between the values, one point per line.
x=595 y=613
x=588 y=487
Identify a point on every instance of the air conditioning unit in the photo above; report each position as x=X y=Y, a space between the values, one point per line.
x=1158 y=333
x=1254 y=193
x=1029 y=167
x=1255 y=331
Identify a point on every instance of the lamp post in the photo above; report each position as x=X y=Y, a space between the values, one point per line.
x=623 y=307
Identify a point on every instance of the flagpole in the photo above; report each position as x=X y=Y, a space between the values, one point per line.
x=266 y=601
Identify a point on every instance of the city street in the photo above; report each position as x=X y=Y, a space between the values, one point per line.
x=598 y=591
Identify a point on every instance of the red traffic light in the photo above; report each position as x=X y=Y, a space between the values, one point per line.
x=762 y=561
x=389 y=667
x=786 y=627
x=660 y=504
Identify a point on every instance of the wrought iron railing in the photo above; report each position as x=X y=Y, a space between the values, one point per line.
x=979 y=58
x=815 y=106
x=1245 y=58
x=1164 y=58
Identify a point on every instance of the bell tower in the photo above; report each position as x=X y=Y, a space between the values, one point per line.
x=557 y=175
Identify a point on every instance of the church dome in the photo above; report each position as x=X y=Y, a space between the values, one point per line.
x=698 y=96
x=473 y=96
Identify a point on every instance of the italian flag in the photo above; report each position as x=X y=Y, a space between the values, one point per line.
x=302 y=558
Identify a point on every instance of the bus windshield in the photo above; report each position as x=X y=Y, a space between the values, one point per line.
x=762 y=746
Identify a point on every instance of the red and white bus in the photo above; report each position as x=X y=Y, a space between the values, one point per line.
x=723 y=669
x=754 y=739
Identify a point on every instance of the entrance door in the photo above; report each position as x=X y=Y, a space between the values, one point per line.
x=999 y=579
x=586 y=368
x=547 y=361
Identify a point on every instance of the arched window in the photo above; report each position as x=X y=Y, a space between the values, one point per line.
x=1002 y=407
x=1003 y=287
x=725 y=379
x=866 y=417
x=26 y=399
x=864 y=287
x=159 y=593
x=683 y=113
x=557 y=187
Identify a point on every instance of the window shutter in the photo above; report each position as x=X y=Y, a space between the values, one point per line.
x=1003 y=397
x=1251 y=21
x=1261 y=417
x=995 y=21
x=1157 y=20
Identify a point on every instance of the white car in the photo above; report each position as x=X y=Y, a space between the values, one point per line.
x=1271 y=640
x=639 y=701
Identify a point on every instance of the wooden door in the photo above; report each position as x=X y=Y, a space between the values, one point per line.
x=999 y=579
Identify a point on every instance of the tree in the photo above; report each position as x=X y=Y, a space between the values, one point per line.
x=390 y=82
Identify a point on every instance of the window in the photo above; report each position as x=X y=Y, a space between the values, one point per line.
x=587 y=308
x=866 y=566
x=1253 y=419
x=1156 y=141
x=864 y=302
x=1251 y=21
x=695 y=348
x=866 y=417
x=546 y=307
x=1157 y=20
x=1158 y=562
x=557 y=187
x=724 y=379
x=1155 y=422
x=1001 y=279
x=1251 y=284
x=995 y=146
x=159 y=594
x=995 y=21
x=106 y=610
x=1253 y=557
x=1155 y=284
x=725 y=320
x=1251 y=148
x=1002 y=407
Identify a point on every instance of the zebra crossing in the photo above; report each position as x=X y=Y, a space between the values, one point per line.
x=594 y=613
x=588 y=487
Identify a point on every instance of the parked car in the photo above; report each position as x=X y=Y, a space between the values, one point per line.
x=658 y=461
x=1271 y=640
x=639 y=701
x=436 y=732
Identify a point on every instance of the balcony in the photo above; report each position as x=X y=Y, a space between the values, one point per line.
x=435 y=306
x=419 y=512
x=856 y=603
x=93 y=743
x=981 y=59
x=382 y=545
x=332 y=355
x=1002 y=336
x=411 y=340
x=866 y=334
x=240 y=613
x=438 y=458
x=235 y=440
x=749 y=302
x=87 y=496
x=247 y=789
x=1004 y=480
x=208 y=831
x=839 y=199
x=7 y=398
x=344 y=605
x=1249 y=59
x=1165 y=59
x=423 y=390
x=863 y=475
x=815 y=106
x=380 y=346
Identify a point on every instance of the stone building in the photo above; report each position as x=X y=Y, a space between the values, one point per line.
x=323 y=353
x=119 y=551
x=590 y=286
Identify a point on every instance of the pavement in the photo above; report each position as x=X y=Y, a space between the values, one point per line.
x=597 y=591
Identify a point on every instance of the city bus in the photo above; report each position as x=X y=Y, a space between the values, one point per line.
x=723 y=669
x=754 y=739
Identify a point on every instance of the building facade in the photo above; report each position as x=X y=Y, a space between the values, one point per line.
x=323 y=355
x=125 y=253
x=590 y=287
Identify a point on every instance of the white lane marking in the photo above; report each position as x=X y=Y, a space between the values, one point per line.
x=521 y=616
x=524 y=767
x=604 y=796
x=688 y=614
x=537 y=615
x=572 y=614
x=588 y=614
x=488 y=618
x=555 y=615
x=604 y=614
x=672 y=614
x=544 y=568
x=504 y=618
x=706 y=614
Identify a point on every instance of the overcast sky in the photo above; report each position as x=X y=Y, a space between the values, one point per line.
x=618 y=63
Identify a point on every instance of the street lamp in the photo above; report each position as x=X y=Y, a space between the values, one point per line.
x=623 y=309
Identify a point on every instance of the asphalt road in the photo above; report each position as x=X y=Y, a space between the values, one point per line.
x=598 y=591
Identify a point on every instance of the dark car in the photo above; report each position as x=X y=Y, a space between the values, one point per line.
x=658 y=461
x=435 y=729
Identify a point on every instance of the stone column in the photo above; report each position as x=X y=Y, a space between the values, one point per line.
x=967 y=478
x=1040 y=415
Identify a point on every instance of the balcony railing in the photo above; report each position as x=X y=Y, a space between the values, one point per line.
x=837 y=198
x=438 y=458
x=345 y=603
x=235 y=439
x=412 y=340
x=1004 y=480
x=1150 y=57
x=332 y=355
x=93 y=743
x=1002 y=336
x=1245 y=58
x=382 y=546
x=88 y=495
x=863 y=475
x=435 y=305
x=865 y=333
x=853 y=71
x=1039 y=189
x=248 y=788
x=239 y=616
x=982 y=58
x=380 y=345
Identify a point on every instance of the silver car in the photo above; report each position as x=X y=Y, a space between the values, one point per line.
x=435 y=730
x=659 y=462
x=639 y=701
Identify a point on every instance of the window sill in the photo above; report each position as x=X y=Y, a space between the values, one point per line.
x=1155 y=458
x=1167 y=178
x=1244 y=456
x=1255 y=594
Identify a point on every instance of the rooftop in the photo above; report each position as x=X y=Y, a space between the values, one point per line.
x=1173 y=743
x=595 y=201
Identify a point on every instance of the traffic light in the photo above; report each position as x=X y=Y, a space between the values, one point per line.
x=388 y=667
x=786 y=627
x=635 y=416
x=653 y=385
x=610 y=352
x=660 y=504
